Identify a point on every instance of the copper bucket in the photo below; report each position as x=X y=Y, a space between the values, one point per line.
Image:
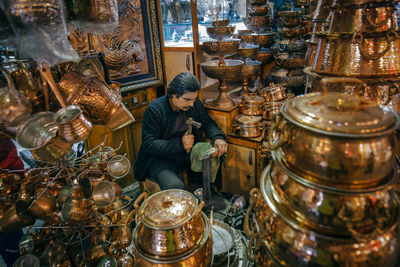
x=73 y=127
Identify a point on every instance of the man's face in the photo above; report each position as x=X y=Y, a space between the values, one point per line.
x=185 y=101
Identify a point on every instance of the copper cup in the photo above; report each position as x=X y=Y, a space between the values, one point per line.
x=73 y=127
x=105 y=193
x=43 y=207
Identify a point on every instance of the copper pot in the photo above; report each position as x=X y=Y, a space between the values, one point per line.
x=170 y=225
x=73 y=127
x=251 y=104
x=335 y=136
x=247 y=126
x=200 y=255
x=291 y=244
x=341 y=213
x=274 y=92
x=39 y=135
x=360 y=55
x=365 y=19
x=272 y=109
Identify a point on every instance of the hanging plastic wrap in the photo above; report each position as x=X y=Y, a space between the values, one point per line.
x=40 y=30
x=93 y=16
x=14 y=107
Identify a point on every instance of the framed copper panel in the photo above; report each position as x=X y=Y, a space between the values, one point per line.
x=132 y=51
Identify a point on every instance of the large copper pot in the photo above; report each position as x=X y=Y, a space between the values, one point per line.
x=335 y=137
x=358 y=55
x=341 y=213
x=365 y=19
x=200 y=255
x=292 y=244
x=170 y=224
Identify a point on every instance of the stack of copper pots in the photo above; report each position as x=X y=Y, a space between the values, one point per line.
x=327 y=199
x=291 y=45
x=172 y=231
x=362 y=42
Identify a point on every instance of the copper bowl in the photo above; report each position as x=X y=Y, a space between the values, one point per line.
x=247 y=37
x=266 y=55
x=257 y=23
x=221 y=48
x=265 y=39
x=296 y=79
x=294 y=61
x=248 y=50
x=254 y=10
x=231 y=70
x=288 y=21
x=220 y=33
x=287 y=45
x=250 y=68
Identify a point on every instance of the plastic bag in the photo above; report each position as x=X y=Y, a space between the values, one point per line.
x=93 y=16
x=40 y=30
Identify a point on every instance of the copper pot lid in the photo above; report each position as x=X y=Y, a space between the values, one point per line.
x=339 y=114
x=253 y=99
x=168 y=209
x=246 y=120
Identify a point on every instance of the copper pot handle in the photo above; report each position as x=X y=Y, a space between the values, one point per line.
x=255 y=195
x=48 y=78
x=366 y=15
x=359 y=39
x=142 y=197
x=279 y=126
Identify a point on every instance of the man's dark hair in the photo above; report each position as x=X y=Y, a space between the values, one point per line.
x=182 y=83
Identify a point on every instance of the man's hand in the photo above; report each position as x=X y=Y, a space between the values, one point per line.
x=188 y=141
x=221 y=146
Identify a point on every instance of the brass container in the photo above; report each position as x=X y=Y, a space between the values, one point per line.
x=366 y=19
x=341 y=213
x=221 y=33
x=294 y=61
x=247 y=37
x=39 y=135
x=274 y=92
x=257 y=23
x=170 y=224
x=221 y=48
x=265 y=39
x=250 y=68
x=251 y=104
x=247 y=126
x=335 y=137
x=291 y=244
x=246 y=51
x=359 y=55
x=255 y=10
x=73 y=127
x=200 y=255
x=214 y=70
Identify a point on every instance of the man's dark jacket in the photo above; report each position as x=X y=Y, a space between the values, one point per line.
x=157 y=137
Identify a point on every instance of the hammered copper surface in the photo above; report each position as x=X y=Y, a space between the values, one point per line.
x=73 y=127
x=200 y=255
x=374 y=19
x=170 y=242
x=291 y=244
x=331 y=211
x=347 y=142
x=322 y=10
x=358 y=55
